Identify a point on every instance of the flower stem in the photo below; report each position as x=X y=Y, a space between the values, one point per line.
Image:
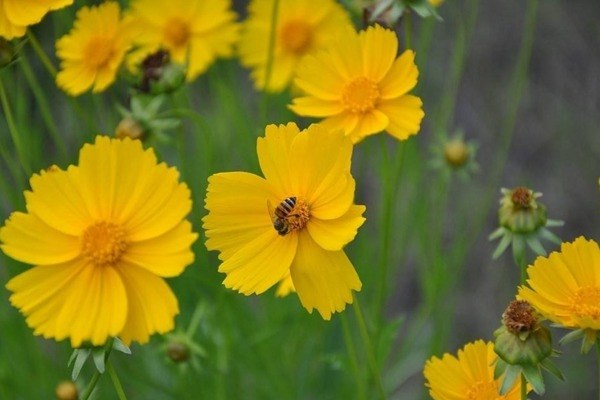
x=12 y=128
x=364 y=333
x=408 y=31
x=353 y=357
x=90 y=387
x=264 y=104
x=115 y=380
x=37 y=47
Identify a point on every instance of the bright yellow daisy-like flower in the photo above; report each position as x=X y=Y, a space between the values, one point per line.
x=565 y=286
x=470 y=376
x=359 y=85
x=291 y=224
x=301 y=28
x=194 y=32
x=16 y=15
x=102 y=236
x=92 y=52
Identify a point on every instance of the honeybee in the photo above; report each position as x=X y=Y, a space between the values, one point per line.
x=281 y=213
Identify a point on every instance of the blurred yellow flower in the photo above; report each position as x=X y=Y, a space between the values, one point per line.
x=101 y=235
x=565 y=286
x=16 y=15
x=436 y=3
x=359 y=85
x=194 y=32
x=92 y=52
x=301 y=28
x=294 y=222
x=468 y=377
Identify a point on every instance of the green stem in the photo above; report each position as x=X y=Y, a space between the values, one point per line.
x=364 y=333
x=354 y=363
x=264 y=104
x=90 y=387
x=408 y=31
x=196 y=318
x=115 y=380
x=37 y=47
x=12 y=128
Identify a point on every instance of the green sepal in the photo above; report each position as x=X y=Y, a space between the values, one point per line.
x=571 y=336
x=423 y=9
x=513 y=372
x=533 y=374
x=499 y=368
x=504 y=243
x=589 y=340
x=534 y=244
x=119 y=346
x=549 y=236
x=79 y=357
x=98 y=355
x=549 y=366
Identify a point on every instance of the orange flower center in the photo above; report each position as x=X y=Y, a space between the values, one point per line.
x=483 y=391
x=586 y=302
x=296 y=36
x=177 y=33
x=104 y=243
x=99 y=51
x=360 y=95
x=291 y=214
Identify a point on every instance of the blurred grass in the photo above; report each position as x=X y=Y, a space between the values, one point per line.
x=439 y=288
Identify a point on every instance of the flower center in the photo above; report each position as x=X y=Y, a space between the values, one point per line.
x=360 y=95
x=99 y=51
x=296 y=36
x=483 y=391
x=292 y=214
x=177 y=33
x=104 y=243
x=586 y=302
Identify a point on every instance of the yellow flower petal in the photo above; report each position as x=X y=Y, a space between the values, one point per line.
x=9 y=30
x=26 y=238
x=261 y=263
x=401 y=78
x=23 y=12
x=152 y=305
x=323 y=279
x=285 y=287
x=405 y=114
x=334 y=234
x=316 y=107
x=274 y=156
x=380 y=47
x=166 y=255
x=369 y=124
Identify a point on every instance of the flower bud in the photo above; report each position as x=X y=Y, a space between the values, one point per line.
x=129 y=127
x=66 y=390
x=456 y=152
x=520 y=212
x=178 y=352
x=8 y=53
x=159 y=75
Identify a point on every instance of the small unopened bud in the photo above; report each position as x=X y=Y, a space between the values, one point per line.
x=8 y=53
x=178 y=352
x=456 y=152
x=66 y=390
x=129 y=127
x=160 y=75
x=520 y=211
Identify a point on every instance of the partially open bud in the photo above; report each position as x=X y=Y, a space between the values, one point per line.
x=520 y=211
x=160 y=75
x=66 y=390
x=129 y=127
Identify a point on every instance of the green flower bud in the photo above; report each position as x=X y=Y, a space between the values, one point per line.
x=520 y=212
x=159 y=75
x=178 y=351
x=456 y=152
x=521 y=340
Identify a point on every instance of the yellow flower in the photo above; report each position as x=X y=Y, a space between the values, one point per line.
x=92 y=52
x=101 y=235
x=294 y=222
x=436 y=3
x=301 y=28
x=468 y=377
x=16 y=15
x=565 y=286
x=195 y=32
x=359 y=86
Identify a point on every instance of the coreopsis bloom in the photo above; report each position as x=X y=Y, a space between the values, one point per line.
x=92 y=52
x=358 y=85
x=101 y=235
x=194 y=32
x=302 y=27
x=293 y=222
x=469 y=376
x=565 y=286
x=16 y=15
